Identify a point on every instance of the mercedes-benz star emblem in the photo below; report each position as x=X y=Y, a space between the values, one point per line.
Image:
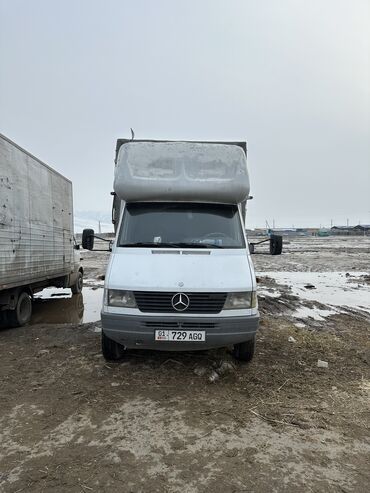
x=180 y=301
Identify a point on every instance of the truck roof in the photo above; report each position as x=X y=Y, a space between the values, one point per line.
x=33 y=157
x=120 y=142
x=154 y=171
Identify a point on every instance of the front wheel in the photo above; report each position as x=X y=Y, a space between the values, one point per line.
x=21 y=315
x=244 y=351
x=112 y=350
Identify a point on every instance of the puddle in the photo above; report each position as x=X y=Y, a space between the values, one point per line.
x=58 y=306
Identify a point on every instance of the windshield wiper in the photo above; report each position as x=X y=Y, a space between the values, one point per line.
x=196 y=245
x=210 y=245
x=152 y=244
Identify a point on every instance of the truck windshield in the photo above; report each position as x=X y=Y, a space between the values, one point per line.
x=181 y=225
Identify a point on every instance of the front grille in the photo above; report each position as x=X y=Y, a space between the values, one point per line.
x=179 y=325
x=161 y=302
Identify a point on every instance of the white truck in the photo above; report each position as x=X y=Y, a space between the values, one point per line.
x=37 y=246
x=180 y=275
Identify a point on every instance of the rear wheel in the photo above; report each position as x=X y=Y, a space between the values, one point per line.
x=245 y=350
x=22 y=312
x=77 y=287
x=112 y=350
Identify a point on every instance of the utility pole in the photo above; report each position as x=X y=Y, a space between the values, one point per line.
x=99 y=228
x=347 y=222
x=331 y=223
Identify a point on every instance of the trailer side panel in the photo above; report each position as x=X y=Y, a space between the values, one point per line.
x=36 y=220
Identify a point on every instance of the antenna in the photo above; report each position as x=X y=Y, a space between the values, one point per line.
x=132 y=134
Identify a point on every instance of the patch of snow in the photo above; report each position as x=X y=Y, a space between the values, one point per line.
x=332 y=288
x=315 y=313
x=53 y=293
x=272 y=293
x=94 y=282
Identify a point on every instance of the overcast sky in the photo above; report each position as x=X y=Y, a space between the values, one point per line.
x=289 y=76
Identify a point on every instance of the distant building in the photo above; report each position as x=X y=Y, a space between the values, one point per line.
x=284 y=231
x=360 y=229
x=363 y=229
x=342 y=230
x=280 y=231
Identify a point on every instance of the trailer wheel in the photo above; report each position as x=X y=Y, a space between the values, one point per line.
x=245 y=350
x=22 y=312
x=276 y=245
x=112 y=350
x=77 y=286
x=88 y=239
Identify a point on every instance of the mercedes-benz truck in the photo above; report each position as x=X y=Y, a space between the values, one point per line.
x=180 y=275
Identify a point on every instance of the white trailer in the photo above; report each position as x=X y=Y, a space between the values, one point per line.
x=37 y=247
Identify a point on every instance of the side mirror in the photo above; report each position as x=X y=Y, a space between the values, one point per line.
x=276 y=244
x=88 y=239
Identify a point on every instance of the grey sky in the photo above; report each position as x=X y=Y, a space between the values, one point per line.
x=291 y=77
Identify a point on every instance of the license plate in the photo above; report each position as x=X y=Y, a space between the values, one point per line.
x=180 y=335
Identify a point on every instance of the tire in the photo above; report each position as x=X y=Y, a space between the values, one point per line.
x=112 y=350
x=251 y=248
x=245 y=350
x=77 y=286
x=276 y=245
x=21 y=315
x=88 y=239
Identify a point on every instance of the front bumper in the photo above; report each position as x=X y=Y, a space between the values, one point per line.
x=133 y=331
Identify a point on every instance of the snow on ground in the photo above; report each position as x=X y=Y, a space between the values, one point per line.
x=315 y=313
x=272 y=293
x=337 y=290
x=49 y=293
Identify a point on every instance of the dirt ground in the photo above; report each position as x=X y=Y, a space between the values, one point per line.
x=195 y=422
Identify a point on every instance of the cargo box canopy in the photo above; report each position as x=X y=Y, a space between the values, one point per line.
x=153 y=171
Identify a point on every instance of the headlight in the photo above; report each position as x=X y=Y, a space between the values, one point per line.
x=238 y=301
x=117 y=297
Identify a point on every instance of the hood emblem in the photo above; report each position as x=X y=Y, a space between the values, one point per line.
x=180 y=302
